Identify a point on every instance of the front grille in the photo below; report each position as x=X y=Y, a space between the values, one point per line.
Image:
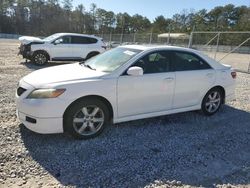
x=24 y=48
x=20 y=91
x=27 y=47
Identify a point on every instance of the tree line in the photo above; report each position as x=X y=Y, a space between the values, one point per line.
x=45 y=17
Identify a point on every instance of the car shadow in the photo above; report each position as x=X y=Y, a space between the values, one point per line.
x=33 y=66
x=188 y=147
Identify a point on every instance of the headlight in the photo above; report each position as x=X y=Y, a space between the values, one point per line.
x=45 y=93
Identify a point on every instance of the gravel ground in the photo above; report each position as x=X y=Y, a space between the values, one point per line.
x=181 y=150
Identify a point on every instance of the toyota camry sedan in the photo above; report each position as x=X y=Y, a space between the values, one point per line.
x=122 y=84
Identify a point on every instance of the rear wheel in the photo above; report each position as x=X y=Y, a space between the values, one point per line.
x=40 y=58
x=212 y=101
x=86 y=119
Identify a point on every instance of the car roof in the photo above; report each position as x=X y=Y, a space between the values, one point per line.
x=211 y=61
x=156 y=47
x=78 y=34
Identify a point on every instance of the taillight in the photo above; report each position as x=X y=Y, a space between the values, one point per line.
x=234 y=74
x=104 y=45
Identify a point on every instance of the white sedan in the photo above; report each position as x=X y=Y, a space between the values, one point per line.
x=123 y=84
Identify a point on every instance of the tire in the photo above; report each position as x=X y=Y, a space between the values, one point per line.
x=86 y=119
x=40 y=58
x=212 y=102
x=91 y=54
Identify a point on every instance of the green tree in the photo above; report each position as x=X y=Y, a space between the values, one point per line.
x=139 y=24
x=161 y=24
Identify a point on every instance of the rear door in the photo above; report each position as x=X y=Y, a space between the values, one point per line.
x=194 y=77
x=95 y=45
x=83 y=45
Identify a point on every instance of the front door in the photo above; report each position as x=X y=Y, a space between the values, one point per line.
x=151 y=92
x=60 y=48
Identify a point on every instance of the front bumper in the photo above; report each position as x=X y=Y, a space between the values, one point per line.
x=25 y=51
x=43 y=116
x=41 y=125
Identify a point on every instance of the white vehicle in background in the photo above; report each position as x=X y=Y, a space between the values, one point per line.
x=123 y=84
x=61 y=47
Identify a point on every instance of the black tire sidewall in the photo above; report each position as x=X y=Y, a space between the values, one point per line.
x=203 y=105
x=91 y=54
x=74 y=108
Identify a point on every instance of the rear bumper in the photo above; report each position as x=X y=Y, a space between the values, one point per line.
x=230 y=92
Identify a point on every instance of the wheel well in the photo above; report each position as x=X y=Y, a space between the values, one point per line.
x=104 y=100
x=222 y=91
x=42 y=51
x=94 y=52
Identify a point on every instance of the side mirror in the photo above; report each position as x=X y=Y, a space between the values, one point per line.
x=135 y=71
x=58 y=41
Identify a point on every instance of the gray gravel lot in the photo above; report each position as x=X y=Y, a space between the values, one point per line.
x=180 y=150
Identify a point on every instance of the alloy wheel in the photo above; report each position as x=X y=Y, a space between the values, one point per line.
x=213 y=101
x=88 y=120
x=40 y=59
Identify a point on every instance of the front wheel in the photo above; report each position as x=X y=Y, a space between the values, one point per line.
x=212 y=101
x=86 y=118
x=40 y=58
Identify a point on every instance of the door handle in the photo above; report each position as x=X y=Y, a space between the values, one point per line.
x=210 y=75
x=169 y=79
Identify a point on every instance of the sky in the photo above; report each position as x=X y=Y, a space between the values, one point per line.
x=154 y=8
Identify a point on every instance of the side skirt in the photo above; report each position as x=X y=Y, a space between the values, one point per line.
x=155 y=114
x=67 y=59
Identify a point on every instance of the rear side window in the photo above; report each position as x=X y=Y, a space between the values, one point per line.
x=184 y=61
x=82 y=40
x=92 y=40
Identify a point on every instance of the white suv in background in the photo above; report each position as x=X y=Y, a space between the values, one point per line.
x=61 y=47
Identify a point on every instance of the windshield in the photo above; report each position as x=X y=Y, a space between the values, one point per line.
x=112 y=59
x=51 y=37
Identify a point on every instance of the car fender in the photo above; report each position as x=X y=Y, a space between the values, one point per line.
x=105 y=88
x=41 y=47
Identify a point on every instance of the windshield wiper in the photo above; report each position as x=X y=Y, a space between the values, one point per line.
x=89 y=67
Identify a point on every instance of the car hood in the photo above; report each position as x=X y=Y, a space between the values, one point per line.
x=62 y=73
x=28 y=39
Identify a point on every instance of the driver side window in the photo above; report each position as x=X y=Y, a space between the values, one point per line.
x=156 y=62
x=63 y=40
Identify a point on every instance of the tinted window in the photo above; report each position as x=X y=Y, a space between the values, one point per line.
x=188 y=61
x=92 y=40
x=156 y=62
x=64 y=40
x=83 y=40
